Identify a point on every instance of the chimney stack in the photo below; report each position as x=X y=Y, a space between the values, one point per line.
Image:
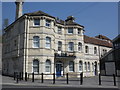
x=19 y=6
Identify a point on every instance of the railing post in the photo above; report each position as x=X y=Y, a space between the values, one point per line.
x=41 y=77
x=67 y=77
x=14 y=75
x=53 y=78
x=99 y=79
x=81 y=78
x=25 y=76
x=17 y=78
x=114 y=78
x=33 y=77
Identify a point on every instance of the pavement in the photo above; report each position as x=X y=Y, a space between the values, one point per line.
x=88 y=83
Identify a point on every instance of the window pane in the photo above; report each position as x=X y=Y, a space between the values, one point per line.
x=70 y=46
x=48 y=23
x=35 y=66
x=48 y=66
x=36 y=22
x=48 y=42
x=36 y=41
x=70 y=30
x=71 y=66
x=80 y=66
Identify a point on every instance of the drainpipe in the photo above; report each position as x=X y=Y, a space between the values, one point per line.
x=26 y=26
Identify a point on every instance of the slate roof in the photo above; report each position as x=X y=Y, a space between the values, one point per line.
x=102 y=37
x=59 y=21
x=96 y=41
x=38 y=13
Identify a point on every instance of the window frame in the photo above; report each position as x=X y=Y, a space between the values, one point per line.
x=35 y=66
x=48 y=66
x=48 y=43
x=59 y=46
x=69 y=32
x=36 y=44
x=71 y=46
x=37 y=22
x=71 y=66
x=48 y=23
x=80 y=66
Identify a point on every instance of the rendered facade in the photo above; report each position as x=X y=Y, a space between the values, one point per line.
x=40 y=43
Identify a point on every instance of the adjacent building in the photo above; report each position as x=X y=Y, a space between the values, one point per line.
x=110 y=63
x=40 y=43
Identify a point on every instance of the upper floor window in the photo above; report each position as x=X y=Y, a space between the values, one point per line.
x=59 y=46
x=48 y=23
x=79 y=46
x=79 y=31
x=70 y=30
x=86 y=49
x=95 y=50
x=48 y=42
x=71 y=66
x=36 y=22
x=59 y=30
x=36 y=66
x=70 y=46
x=36 y=41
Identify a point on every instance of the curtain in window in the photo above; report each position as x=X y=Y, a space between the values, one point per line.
x=71 y=66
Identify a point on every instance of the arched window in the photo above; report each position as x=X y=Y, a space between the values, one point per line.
x=71 y=66
x=85 y=66
x=92 y=66
x=48 y=42
x=59 y=46
x=48 y=66
x=79 y=46
x=95 y=50
x=86 y=49
x=70 y=46
x=80 y=66
x=88 y=66
x=36 y=66
x=36 y=42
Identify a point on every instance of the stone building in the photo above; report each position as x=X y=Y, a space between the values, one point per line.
x=40 y=43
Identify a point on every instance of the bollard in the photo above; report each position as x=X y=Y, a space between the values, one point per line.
x=42 y=78
x=99 y=79
x=67 y=77
x=14 y=75
x=33 y=77
x=17 y=78
x=81 y=78
x=20 y=76
x=25 y=76
x=114 y=78
x=53 y=78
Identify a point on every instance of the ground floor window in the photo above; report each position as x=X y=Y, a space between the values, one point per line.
x=71 y=66
x=36 y=66
x=80 y=66
x=48 y=66
x=85 y=66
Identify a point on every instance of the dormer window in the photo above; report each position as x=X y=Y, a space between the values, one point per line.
x=70 y=30
x=36 y=22
x=48 y=23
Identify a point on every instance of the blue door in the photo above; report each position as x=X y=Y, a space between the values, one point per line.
x=58 y=69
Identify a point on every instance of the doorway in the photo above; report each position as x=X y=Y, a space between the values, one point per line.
x=59 y=68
